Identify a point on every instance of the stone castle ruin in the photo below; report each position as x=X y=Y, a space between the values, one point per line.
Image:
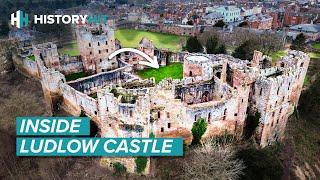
x=221 y=89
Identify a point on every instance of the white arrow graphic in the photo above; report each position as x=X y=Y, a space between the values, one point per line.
x=152 y=62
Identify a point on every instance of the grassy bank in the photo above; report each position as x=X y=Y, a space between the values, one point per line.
x=132 y=37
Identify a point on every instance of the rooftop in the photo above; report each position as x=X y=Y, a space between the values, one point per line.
x=306 y=28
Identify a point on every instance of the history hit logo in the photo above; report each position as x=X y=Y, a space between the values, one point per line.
x=19 y=19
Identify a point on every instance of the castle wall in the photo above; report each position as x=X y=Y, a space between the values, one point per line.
x=126 y=113
x=76 y=101
x=26 y=66
x=70 y=65
x=171 y=116
x=276 y=94
x=48 y=53
x=92 y=83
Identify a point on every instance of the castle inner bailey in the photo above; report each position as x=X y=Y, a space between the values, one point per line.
x=221 y=89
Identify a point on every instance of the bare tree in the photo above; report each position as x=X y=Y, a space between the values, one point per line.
x=267 y=42
x=212 y=160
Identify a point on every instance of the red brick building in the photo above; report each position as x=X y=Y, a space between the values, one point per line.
x=294 y=19
x=276 y=20
x=260 y=22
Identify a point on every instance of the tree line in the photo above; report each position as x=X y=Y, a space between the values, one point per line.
x=266 y=42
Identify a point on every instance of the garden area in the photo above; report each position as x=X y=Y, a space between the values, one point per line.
x=174 y=70
x=70 y=49
x=277 y=55
x=316 y=45
x=32 y=58
x=131 y=38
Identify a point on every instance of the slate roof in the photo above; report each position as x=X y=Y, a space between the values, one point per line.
x=313 y=28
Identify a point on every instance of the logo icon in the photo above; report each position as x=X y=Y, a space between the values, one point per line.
x=19 y=19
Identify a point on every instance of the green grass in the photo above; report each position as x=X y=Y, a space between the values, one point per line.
x=74 y=76
x=174 y=70
x=32 y=58
x=70 y=49
x=131 y=38
x=316 y=45
x=277 y=55
x=314 y=54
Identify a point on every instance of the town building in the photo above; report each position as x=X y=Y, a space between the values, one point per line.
x=230 y=13
x=212 y=18
x=263 y=22
x=311 y=31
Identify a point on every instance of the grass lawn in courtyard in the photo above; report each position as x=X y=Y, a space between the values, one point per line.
x=132 y=37
x=32 y=58
x=174 y=70
x=74 y=76
x=277 y=55
x=70 y=49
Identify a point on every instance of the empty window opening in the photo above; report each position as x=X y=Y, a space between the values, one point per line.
x=169 y=125
x=94 y=130
x=162 y=129
x=218 y=74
